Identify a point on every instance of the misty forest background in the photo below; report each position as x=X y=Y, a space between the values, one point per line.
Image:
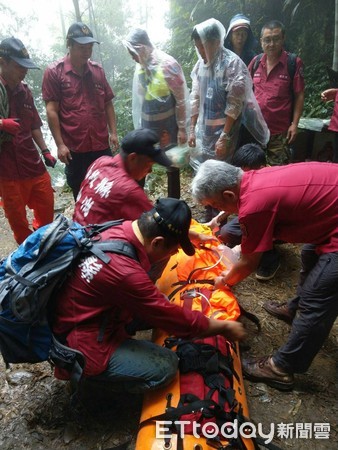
x=311 y=32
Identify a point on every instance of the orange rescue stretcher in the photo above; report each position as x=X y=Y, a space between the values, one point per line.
x=188 y=281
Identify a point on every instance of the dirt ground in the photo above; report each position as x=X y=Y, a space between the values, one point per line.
x=35 y=411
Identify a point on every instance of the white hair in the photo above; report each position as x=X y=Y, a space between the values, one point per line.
x=214 y=177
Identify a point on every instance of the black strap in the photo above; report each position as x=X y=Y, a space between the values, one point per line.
x=69 y=359
x=291 y=64
x=173 y=414
x=251 y=316
x=255 y=64
x=94 y=229
x=116 y=246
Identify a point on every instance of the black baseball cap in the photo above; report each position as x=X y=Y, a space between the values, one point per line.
x=145 y=142
x=80 y=33
x=14 y=49
x=174 y=216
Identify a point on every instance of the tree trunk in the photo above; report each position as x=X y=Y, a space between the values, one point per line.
x=62 y=18
x=335 y=47
x=77 y=10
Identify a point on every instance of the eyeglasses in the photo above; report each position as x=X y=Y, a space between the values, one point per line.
x=274 y=40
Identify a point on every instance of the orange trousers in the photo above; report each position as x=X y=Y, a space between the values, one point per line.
x=36 y=193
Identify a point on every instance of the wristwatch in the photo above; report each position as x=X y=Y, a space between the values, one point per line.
x=226 y=135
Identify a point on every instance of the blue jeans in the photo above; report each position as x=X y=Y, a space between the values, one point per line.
x=317 y=308
x=137 y=366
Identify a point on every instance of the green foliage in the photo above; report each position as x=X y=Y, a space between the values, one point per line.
x=155 y=181
x=123 y=101
x=109 y=21
x=305 y=34
x=316 y=81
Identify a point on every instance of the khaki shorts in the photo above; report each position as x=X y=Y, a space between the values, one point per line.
x=278 y=151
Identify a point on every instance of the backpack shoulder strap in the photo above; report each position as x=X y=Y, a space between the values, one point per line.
x=116 y=246
x=257 y=60
x=292 y=63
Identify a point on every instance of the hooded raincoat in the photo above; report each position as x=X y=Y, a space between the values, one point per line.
x=248 y=52
x=160 y=94
x=221 y=87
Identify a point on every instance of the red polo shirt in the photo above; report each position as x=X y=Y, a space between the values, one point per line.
x=19 y=158
x=274 y=92
x=82 y=101
x=111 y=294
x=108 y=192
x=334 y=119
x=295 y=203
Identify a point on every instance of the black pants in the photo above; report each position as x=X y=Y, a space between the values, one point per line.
x=335 y=148
x=77 y=168
x=317 y=307
x=174 y=185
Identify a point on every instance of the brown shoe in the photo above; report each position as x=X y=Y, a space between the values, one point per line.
x=264 y=370
x=279 y=310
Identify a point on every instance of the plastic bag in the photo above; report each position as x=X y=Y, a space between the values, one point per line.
x=179 y=155
x=196 y=156
x=229 y=256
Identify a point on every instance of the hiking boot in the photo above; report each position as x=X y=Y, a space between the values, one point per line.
x=265 y=273
x=264 y=370
x=279 y=310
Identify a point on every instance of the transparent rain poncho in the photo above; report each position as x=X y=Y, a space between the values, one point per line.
x=160 y=98
x=222 y=86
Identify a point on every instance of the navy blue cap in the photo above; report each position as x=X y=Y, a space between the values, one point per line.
x=14 y=49
x=80 y=33
x=145 y=142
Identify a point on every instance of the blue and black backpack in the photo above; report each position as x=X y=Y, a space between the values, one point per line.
x=29 y=278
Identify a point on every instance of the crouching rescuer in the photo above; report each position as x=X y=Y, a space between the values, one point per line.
x=99 y=300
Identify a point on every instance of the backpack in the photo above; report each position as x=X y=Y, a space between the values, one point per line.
x=29 y=279
x=291 y=63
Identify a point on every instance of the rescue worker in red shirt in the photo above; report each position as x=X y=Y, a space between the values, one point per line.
x=110 y=189
x=79 y=106
x=98 y=302
x=298 y=204
x=24 y=180
x=280 y=98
